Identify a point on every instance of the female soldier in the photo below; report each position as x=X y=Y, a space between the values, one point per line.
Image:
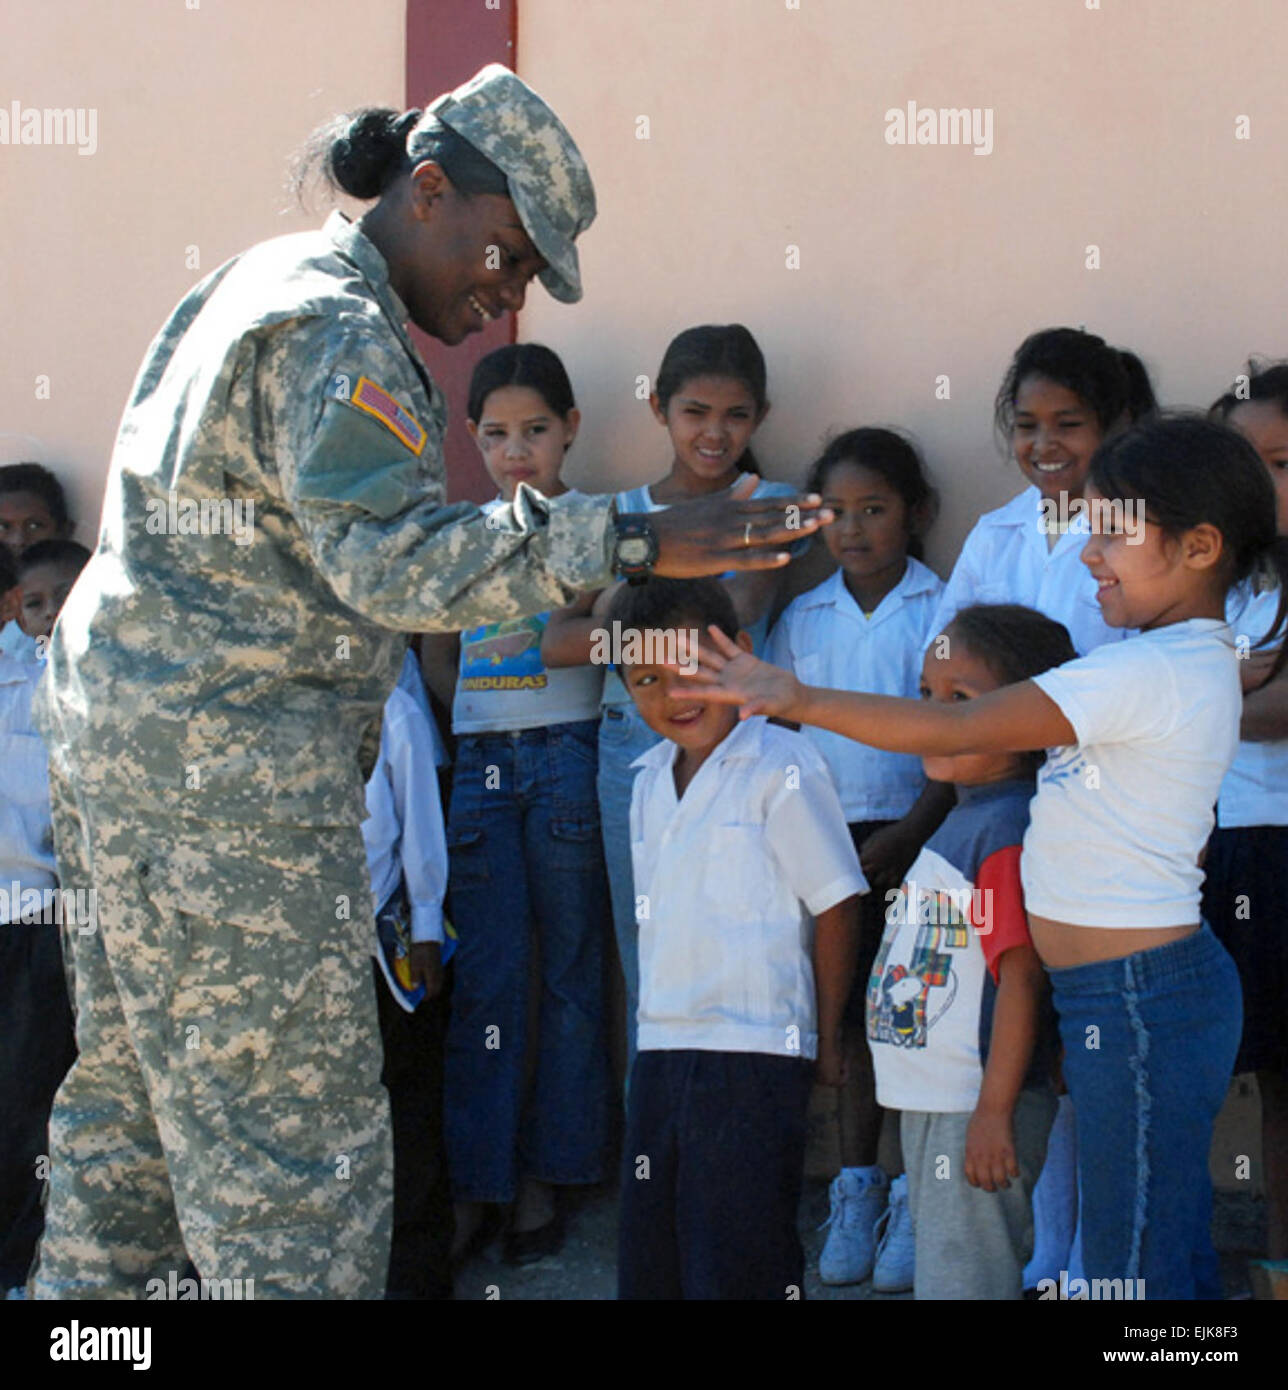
x=274 y=519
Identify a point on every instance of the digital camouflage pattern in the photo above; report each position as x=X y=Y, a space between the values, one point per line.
x=504 y=119
x=194 y=676
x=226 y=1104
x=204 y=706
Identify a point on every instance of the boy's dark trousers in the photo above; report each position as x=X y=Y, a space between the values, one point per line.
x=712 y=1165
x=37 y=1046
x=419 y=1263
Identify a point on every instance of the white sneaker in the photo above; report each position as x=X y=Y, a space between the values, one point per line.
x=858 y=1198
x=895 y=1248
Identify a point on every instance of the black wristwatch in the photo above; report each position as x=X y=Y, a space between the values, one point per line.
x=636 y=550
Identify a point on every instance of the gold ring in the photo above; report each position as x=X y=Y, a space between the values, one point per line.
x=746 y=534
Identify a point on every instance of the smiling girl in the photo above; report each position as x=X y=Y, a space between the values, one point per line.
x=1139 y=735
x=1064 y=392
x=710 y=397
x=525 y=866
x=1247 y=856
x=867 y=628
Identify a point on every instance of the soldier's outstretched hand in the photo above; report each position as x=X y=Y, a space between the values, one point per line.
x=728 y=531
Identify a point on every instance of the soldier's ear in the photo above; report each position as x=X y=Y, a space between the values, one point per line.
x=429 y=186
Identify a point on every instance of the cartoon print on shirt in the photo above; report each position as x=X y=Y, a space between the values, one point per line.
x=902 y=1005
x=504 y=656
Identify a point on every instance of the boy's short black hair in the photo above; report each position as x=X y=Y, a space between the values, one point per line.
x=8 y=570
x=36 y=479
x=661 y=604
x=57 y=550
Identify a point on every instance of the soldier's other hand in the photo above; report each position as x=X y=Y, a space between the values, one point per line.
x=726 y=531
x=425 y=965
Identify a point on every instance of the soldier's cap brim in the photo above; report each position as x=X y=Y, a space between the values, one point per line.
x=478 y=111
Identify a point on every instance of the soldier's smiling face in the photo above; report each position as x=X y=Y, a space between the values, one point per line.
x=472 y=260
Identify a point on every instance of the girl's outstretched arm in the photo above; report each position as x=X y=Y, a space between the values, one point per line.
x=1016 y=719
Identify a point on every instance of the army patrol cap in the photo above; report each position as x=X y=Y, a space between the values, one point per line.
x=505 y=120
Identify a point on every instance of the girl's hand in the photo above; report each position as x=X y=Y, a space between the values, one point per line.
x=726 y=531
x=990 y=1150
x=425 y=965
x=886 y=855
x=831 y=1068
x=727 y=675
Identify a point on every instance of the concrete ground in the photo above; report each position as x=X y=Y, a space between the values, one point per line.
x=586 y=1267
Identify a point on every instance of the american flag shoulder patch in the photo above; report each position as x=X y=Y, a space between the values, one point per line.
x=378 y=403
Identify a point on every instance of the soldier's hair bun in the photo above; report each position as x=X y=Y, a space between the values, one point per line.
x=359 y=153
x=368 y=149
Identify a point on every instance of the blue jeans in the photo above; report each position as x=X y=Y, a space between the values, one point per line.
x=1150 y=1042
x=525 y=859
x=623 y=737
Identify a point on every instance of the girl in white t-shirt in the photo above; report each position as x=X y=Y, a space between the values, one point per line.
x=1139 y=735
x=1064 y=392
x=1246 y=888
x=523 y=1116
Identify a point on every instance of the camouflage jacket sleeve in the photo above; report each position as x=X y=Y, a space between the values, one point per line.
x=357 y=442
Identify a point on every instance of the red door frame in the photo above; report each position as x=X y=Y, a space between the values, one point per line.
x=447 y=42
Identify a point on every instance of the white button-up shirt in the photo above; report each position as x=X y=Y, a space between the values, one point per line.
x=825 y=639
x=403 y=831
x=726 y=880
x=1255 y=790
x=26 y=839
x=1006 y=560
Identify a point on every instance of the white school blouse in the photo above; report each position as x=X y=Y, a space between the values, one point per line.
x=1255 y=790
x=824 y=637
x=1121 y=815
x=726 y=880
x=1005 y=560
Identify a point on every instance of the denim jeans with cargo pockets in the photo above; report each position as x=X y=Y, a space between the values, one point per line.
x=526 y=865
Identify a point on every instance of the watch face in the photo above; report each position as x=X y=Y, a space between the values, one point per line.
x=633 y=550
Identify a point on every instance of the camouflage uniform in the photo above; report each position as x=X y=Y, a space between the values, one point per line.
x=204 y=707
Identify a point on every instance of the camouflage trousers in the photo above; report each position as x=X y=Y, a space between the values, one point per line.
x=226 y=1103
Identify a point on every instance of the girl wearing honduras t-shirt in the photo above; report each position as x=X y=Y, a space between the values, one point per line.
x=1064 y=392
x=524 y=862
x=1139 y=735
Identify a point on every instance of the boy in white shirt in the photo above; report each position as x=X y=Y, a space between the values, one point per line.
x=747 y=887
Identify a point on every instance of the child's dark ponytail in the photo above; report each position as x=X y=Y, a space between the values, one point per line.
x=1140 y=390
x=1112 y=381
